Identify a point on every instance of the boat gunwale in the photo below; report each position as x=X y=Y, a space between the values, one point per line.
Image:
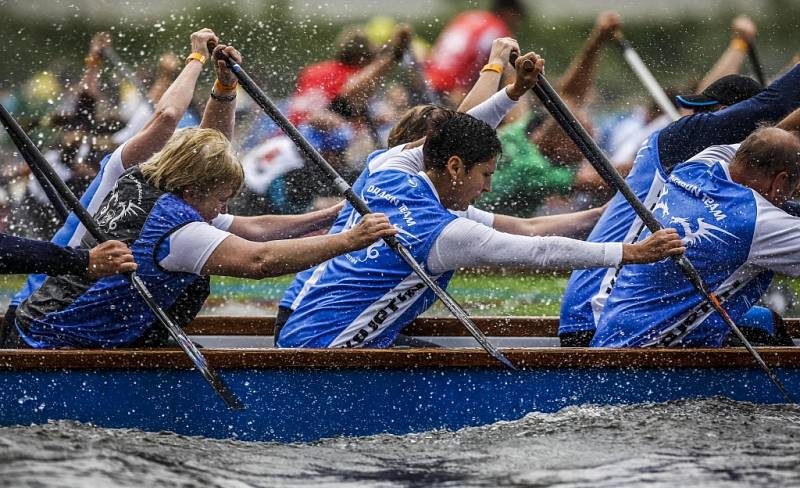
x=370 y=359
x=494 y=326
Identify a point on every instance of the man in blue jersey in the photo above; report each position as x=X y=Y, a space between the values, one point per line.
x=588 y=290
x=725 y=202
x=365 y=298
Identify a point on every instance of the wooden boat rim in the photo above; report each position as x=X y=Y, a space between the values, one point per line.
x=527 y=358
x=423 y=326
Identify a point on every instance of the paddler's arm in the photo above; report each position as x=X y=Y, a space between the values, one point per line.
x=497 y=105
x=247 y=259
x=19 y=255
x=170 y=109
x=263 y=228
x=489 y=79
x=220 y=112
x=466 y=243
x=575 y=225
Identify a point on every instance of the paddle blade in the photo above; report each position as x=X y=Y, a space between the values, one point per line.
x=211 y=376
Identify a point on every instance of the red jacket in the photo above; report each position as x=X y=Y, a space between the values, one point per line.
x=462 y=49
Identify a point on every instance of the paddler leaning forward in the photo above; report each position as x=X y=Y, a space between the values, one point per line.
x=178 y=247
x=366 y=298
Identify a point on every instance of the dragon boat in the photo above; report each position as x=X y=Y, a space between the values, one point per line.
x=304 y=395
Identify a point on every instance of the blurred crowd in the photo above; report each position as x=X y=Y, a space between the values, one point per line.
x=346 y=107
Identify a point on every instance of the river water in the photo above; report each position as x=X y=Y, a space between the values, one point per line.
x=714 y=442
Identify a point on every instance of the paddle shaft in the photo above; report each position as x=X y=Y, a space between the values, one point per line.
x=111 y=54
x=358 y=204
x=648 y=80
x=65 y=195
x=423 y=91
x=553 y=103
x=755 y=61
x=21 y=145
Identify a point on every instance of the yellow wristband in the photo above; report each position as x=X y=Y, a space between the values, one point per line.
x=221 y=87
x=196 y=57
x=739 y=44
x=492 y=67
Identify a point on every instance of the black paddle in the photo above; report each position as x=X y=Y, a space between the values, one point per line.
x=111 y=54
x=48 y=189
x=422 y=91
x=755 y=61
x=360 y=205
x=35 y=160
x=558 y=109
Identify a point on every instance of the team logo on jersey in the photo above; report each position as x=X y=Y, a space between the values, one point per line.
x=373 y=250
x=703 y=231
x=662 y=204
x=116 y=209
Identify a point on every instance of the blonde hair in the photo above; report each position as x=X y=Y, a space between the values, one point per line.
x=202 y=158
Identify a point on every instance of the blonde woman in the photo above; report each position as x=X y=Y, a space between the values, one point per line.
x=183 y=240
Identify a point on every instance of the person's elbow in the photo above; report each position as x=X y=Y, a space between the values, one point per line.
x=167 y=116
x=268 y=265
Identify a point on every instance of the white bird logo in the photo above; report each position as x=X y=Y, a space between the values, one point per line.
x=662 y=204
x=704 y=231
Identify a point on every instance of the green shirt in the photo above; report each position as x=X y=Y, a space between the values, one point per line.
x=524 y=176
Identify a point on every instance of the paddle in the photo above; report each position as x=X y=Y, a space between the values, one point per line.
x=35 y=159
x=553 y=103
x=48 y=189
x=111 y=54
x=422 y=91
x=360 y=205
x=646 y=77
x=756 y=62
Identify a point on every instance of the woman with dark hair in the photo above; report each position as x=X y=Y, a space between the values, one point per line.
x=365 y=298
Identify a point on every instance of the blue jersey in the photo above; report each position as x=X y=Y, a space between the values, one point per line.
x=111 y=313
x=295 y=292
x=726 y=228
x=587 y=290
x=365 y=298
x=71 y=233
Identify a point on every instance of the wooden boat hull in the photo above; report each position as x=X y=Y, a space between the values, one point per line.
x=307 y=395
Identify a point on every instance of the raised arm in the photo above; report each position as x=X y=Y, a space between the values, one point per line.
x=362 y=85
x=574 y=85
x=271 y=227
x=489 y=79
x=220 y=112
x=579 y=77
x=93 y=63
x=743 y=32
x=170 y=108
x=239 y=257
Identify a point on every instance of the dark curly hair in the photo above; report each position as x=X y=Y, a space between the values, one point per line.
x=462 y=135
